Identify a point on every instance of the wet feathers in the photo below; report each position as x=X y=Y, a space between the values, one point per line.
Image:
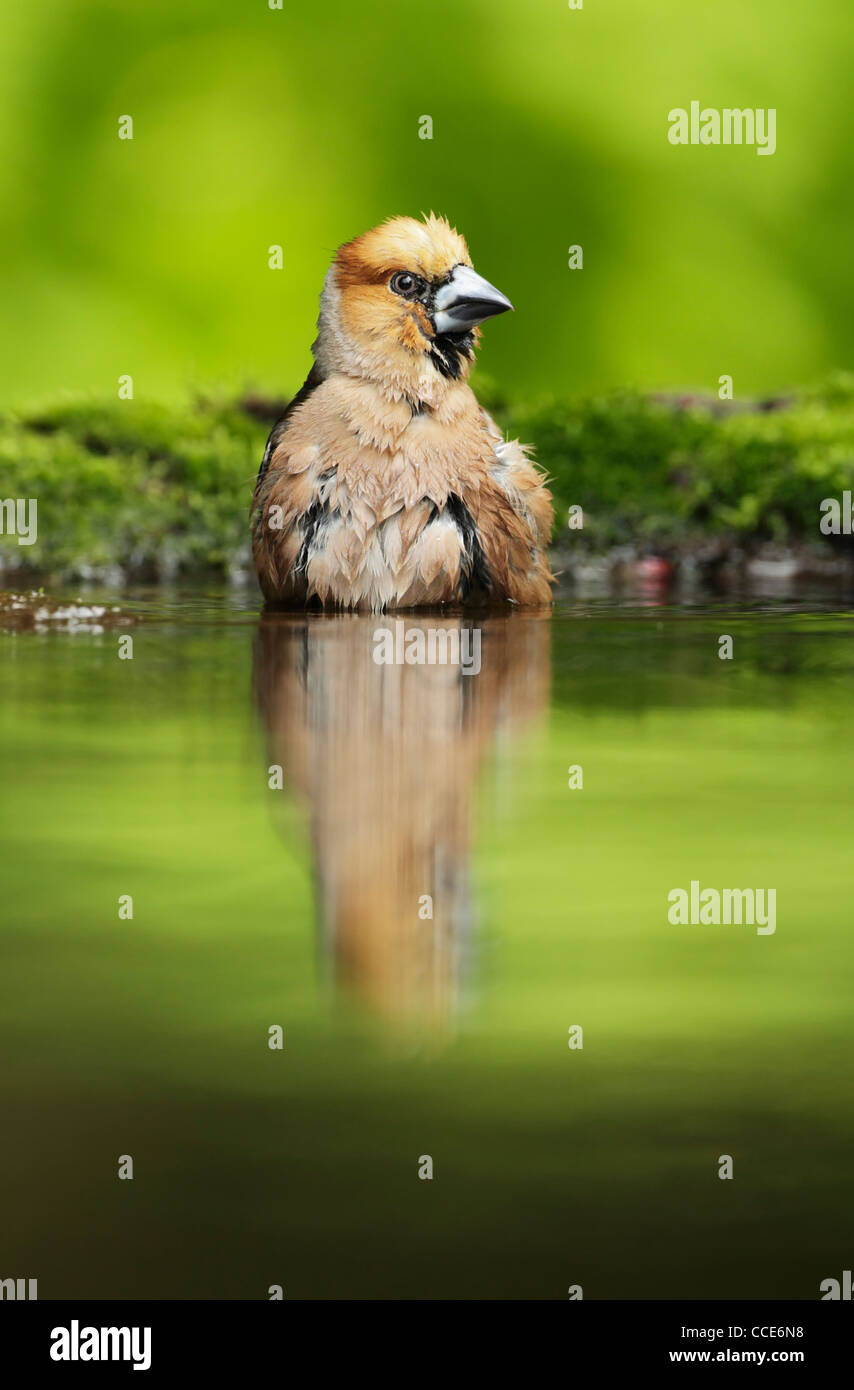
x=386 y=485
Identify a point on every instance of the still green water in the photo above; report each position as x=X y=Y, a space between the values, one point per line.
x=405 y=1036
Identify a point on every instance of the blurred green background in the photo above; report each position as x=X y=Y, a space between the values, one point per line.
x=300 y=127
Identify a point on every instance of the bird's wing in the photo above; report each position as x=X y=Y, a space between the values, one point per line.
x=285 y=509
x=310 y=385
x=523 y=484
x=512 y=511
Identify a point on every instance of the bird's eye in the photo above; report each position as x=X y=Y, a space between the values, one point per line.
x=404 y=283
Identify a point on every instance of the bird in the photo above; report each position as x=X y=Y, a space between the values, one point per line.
x=385 y=484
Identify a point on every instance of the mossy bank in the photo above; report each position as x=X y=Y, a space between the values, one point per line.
x=135 y=488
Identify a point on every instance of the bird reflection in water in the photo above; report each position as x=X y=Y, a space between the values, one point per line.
x=385 y=759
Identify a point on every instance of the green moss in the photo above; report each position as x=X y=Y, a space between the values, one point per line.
x=665 y=469
x=157 y=489
x=151 y=489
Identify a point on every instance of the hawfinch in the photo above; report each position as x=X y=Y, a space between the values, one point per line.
x=384 y=484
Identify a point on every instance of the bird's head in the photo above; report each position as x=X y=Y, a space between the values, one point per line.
x=401 y=307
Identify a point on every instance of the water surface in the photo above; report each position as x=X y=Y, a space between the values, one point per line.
x=306 y=906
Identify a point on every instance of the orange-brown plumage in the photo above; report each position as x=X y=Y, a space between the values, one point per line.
x=386 y=485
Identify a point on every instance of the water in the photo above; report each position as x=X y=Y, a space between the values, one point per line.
x=404 y=1035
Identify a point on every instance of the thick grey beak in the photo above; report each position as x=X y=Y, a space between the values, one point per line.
x=465 y=301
